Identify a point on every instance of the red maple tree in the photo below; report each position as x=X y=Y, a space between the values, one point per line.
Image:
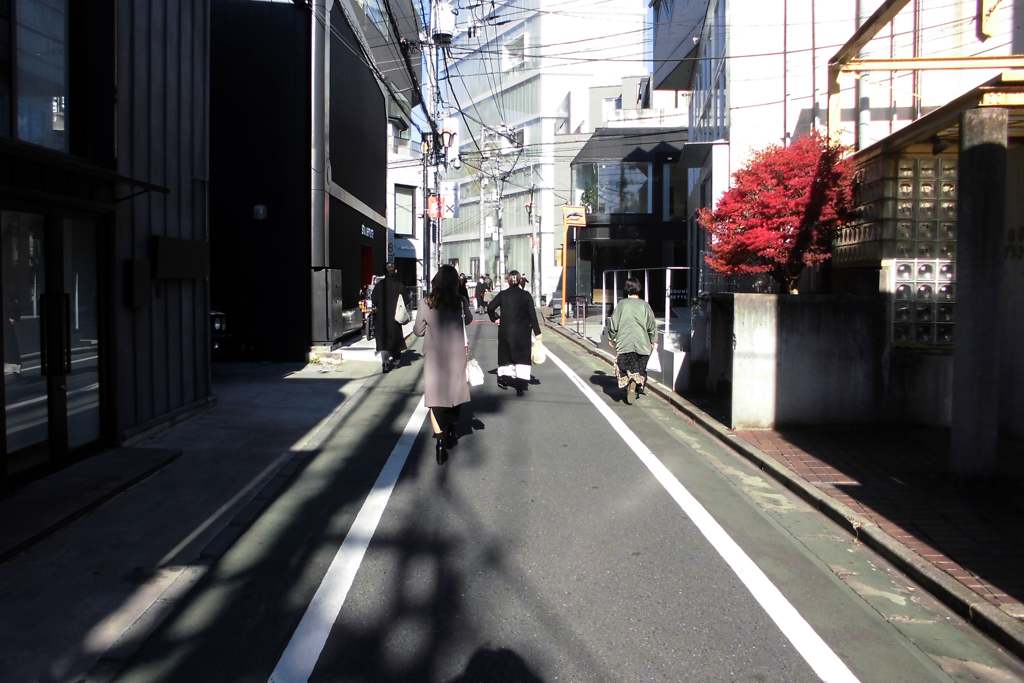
x=782 y=211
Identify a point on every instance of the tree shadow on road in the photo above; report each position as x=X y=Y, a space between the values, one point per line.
x=488 y=665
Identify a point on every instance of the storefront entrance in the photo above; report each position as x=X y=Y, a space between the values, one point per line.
x=52 y=339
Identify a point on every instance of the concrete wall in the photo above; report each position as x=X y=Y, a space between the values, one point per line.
x=1011 y=352
x=798 y=360
x=919 y=387
x=162 y=350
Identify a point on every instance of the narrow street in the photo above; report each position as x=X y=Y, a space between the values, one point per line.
x=569 y=538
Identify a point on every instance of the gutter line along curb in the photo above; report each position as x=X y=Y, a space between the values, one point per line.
x=1005 y=629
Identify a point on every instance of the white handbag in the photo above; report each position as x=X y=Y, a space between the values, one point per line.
x=401 y=312
x=474 y=373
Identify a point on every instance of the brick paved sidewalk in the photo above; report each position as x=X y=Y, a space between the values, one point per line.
x=898 y=478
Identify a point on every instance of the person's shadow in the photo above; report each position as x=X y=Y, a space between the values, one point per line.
x=407 y=358
x=488 y=665
x=609 y=385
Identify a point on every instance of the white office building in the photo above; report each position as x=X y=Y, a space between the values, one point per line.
x=527 y=69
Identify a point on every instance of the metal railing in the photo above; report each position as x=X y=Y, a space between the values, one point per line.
x=647 y=292
x=581 y=301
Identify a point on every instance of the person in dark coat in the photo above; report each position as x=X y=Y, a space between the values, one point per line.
x=481 y=289
x=517 y=318
x=441 y=322
x=390 y=338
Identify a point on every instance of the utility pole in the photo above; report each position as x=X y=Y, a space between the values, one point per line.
x=539 y=251
x=501 y=240
x=533 y=246
x=428 y=149
x=483 y=225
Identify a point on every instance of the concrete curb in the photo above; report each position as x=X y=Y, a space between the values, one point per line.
x=1005 y=629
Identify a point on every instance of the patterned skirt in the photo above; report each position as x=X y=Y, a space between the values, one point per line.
x=631 y=366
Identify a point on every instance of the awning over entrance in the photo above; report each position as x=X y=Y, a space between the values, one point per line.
x=645 y=144
x=404 y=248
x=633 y=144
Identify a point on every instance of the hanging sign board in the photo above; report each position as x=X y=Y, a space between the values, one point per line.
x=574 y=215
x=435 y=206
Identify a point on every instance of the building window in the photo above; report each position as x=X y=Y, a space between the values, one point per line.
x=614 y=187
x=610 y=108
x=514 y=53
x=41 y=39
x=405 y=211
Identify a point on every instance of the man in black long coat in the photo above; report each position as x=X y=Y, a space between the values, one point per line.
x=390 y=339
x=516 y=316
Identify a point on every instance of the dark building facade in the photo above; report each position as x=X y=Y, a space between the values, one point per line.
x=291 y=247
x=633 y=188
x=103 y=189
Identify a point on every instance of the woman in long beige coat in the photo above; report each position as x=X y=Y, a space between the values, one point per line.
x=441 y=322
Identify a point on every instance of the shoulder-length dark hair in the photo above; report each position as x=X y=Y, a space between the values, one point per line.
x=633 y=286
x=444 y=290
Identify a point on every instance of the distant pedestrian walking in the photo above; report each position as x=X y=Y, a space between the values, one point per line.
x=481 y=289
x=516 y=319
x=390 y=338
x=633 y=332
x=442 y=324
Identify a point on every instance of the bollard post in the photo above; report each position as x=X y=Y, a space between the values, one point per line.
x=604 y=298
x=668 y=304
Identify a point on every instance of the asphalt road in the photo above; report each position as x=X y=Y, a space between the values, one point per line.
x=569 y=538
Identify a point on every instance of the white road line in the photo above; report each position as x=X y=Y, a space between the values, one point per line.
x=829 y=667
x=303 y=651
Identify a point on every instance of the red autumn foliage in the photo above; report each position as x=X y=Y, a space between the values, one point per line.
x=782 y=212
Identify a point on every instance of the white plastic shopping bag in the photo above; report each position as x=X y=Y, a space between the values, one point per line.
x=654 y=362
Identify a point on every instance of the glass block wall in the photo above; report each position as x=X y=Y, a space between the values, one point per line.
x=907 y=225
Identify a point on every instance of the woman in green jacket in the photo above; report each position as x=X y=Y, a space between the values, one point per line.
x=633 y=333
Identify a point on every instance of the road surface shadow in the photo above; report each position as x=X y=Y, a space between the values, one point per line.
x=489 y=665
x=609 y=385
x=407 y=358
x=899 y=477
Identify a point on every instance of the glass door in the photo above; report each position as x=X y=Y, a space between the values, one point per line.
x=51 y=342
x=24 y=297
x=81 y=307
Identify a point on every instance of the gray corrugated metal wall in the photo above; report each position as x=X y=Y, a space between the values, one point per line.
x=162 y=355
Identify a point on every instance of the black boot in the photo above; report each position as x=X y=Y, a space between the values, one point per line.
x=502 y=382
x=440 y=450
x=451 y=438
